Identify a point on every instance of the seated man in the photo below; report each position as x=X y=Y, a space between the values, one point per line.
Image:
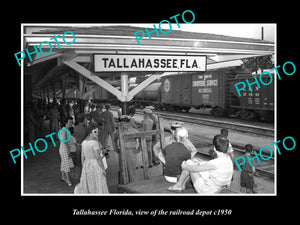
x=218 y=172
x=170 y=139
x=174 y=154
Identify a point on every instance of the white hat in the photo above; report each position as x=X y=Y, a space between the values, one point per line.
x=176 y=124
x=148 y=111
x=181 y=132
x=150 y=107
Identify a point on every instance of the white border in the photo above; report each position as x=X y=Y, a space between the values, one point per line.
x=275 y=112
x=151 y=194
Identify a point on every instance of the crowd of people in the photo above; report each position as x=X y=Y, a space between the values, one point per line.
x=183 y=163
x=38 y=110
x=94 y=134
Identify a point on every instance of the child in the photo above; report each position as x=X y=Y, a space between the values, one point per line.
x=230 y=150
x=247 y=174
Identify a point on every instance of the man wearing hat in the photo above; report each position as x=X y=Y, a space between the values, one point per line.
x=109 y=128
x=96 y=115
x=170 y=139
x=155 y=120
x=80 y=133
x=147 y=125
x=131 y=149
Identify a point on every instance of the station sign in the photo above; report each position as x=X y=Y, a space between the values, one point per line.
x=151 y=63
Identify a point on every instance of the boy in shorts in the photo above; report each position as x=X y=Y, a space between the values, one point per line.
x=247 y=174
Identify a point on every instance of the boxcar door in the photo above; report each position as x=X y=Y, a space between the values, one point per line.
x=176 y=89
x=186 y=88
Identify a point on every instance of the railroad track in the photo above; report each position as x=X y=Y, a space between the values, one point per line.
x=245 y=128
x=265 y=168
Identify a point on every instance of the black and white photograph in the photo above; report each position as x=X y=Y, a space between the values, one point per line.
x=169 y=115
x=187 y=112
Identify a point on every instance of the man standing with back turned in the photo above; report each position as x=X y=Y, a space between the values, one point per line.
x=109 y=127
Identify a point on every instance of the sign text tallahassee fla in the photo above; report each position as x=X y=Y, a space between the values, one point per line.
x=117 y=63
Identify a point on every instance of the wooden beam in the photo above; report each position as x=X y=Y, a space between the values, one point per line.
x=82 y=58
x=90 y=75
x=44 y=58
x=81 y=85
x=229 y=57
x=142 y=134
x=123 y=173
x=144 y=157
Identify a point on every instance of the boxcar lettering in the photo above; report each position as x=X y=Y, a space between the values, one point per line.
x=204 y=90
x=212 y=83
x=207 y=76
x=256 y=81
x=198 y=83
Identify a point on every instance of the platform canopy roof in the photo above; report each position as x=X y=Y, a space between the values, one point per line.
x=121 y=39
x=219 y=49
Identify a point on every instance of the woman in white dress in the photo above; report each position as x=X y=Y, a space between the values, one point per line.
x=93 y=177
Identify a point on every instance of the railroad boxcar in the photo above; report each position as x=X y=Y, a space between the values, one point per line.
x=206 y=89
x=256 y=104
x=212 y=89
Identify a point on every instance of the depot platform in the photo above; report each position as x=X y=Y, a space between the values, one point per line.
x=158 y=185
x=41 y=175
x=71 y=72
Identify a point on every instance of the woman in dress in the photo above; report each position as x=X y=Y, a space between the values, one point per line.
x=93 y=177
x=65 y=151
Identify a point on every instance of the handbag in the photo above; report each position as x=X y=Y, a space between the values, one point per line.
x=104 y=163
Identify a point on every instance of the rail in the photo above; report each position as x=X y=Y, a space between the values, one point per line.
x=245 y=128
